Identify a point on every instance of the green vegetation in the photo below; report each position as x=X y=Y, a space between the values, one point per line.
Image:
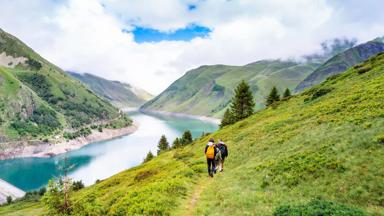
x=176 y=143
x=318 y=207
x=9 y=200
x=342 y=62
x=163 y=145
x=149 y=157
x=281 y=159
x=287 y=93
x=186 y=138
x=35 y=65
x=273 y=96
x=119 y=94
x=42 y=121
x=241 y=107
x=208 y=90
x=242 y=102
x=38 y=100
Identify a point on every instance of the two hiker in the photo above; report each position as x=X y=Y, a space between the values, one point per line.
x=216 y=154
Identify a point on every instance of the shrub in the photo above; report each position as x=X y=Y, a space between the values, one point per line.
x=38 y=83
x=316 y=93
x=364 y=69
x=318 y=207
x=77 y=185
x=148 y=157
x=42 y=191
x=186 y=138
x=380 y=139
x=36 y=65
x=42 y=121
x=9 y=200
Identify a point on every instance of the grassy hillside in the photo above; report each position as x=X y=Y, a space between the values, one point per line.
x=120 y=94
x=326 y=143
x=207 y=90
x=39 y=99
x=342 y=61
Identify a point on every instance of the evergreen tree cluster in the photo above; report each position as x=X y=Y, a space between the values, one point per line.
x=274 y=96
x=242 y=103
x=163 y=144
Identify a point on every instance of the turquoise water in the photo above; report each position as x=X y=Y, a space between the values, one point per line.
x=102 y=159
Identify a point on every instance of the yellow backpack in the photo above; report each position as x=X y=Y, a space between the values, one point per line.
x=210 y=152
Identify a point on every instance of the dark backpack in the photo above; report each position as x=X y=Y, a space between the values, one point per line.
x=223 y=150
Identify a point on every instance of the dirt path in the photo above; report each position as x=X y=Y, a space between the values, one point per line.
x=199 y=188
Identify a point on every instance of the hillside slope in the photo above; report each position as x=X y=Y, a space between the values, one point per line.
x=120 y=94
x=39 y=100
x=342 y=61
x=207 y=90
x=326 y=142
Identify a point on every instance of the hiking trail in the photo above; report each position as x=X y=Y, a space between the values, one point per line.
x=199 y=188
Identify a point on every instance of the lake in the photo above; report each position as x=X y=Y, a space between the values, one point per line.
x=103 y=159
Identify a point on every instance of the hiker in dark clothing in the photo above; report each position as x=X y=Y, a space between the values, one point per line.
x=210 y=153
x=224 y=153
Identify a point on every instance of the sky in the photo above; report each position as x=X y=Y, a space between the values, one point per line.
x=152 y=43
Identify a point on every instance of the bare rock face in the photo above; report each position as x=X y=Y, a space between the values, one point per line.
x=10 y=61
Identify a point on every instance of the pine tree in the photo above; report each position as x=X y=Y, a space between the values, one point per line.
x=186 y=138
x=273 y=96
x=287 y=93
x=227 y=118
x=148 y=157
x=176 y=143
x=242 y=103
x=163 y=145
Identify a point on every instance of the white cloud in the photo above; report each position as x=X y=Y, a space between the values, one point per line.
x=86 y=35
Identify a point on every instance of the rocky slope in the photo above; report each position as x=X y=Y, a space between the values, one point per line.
x=342 y=61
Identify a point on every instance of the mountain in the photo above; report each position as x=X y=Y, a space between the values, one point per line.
x=342 y=61
x=207 y=90
x=319 y=151
x=119 y=94
x=39 y=101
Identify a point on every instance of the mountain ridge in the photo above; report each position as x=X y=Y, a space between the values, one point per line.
x=120 y=94
x=207 y=90
x=342 y=61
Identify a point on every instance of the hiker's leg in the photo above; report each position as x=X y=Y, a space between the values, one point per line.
x=222 y=164
x=209 y=164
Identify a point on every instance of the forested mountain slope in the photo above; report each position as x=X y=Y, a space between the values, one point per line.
x=38 y=100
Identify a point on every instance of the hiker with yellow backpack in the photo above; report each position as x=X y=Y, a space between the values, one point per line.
x=210 y=153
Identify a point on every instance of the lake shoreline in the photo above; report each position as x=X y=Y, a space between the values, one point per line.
x=182 y=115
x=44 y=150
